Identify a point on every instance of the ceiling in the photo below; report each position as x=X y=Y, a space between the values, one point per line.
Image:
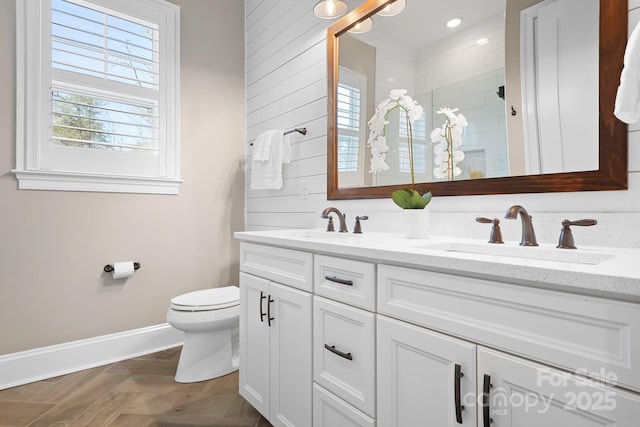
x=423 y=22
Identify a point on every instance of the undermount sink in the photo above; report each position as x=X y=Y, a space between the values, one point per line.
x=322 y=234
x=522 y=252
x=337 y=237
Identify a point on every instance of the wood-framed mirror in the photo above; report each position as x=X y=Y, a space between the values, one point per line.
x=611 y=172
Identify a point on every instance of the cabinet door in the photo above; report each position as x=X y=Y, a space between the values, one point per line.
x=254 y=342
x=291 y=379
x=521 y=393
x=418 y=381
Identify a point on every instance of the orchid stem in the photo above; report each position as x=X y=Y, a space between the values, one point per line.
x=449 y=153
x=410 y=144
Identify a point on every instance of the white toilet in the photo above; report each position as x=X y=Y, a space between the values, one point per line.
x=209 y=319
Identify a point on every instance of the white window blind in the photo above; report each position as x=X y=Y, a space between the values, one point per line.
x=92 y=42
x=101 y=113
x=90 y=122
x=348 y=112
x=93 y=48
x=419 y=135
x=418 y=128
x=419 y=158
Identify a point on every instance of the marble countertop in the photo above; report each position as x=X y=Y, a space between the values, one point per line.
x=596 y=271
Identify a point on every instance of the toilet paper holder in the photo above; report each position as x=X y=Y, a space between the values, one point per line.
x=109 y=268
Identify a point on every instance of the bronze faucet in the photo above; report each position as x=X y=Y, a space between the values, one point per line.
x=528 y=235
x=341 y=218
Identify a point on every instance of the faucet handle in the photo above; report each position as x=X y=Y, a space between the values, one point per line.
x=484 y=220
x=357 y=229
x=496 y=234
x=330 y=225
x=566 y=236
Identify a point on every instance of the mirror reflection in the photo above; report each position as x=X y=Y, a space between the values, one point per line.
x=524 y=73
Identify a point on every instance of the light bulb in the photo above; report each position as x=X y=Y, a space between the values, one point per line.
x=362 y=26
x=394 y=8
x=329 y=9
x=452 y=23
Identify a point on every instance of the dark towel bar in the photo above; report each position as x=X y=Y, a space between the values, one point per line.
x=287 y=132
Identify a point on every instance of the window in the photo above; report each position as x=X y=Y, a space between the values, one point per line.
x=98 y=95
x=348 y=127
x=351 y=122
x=419 y=134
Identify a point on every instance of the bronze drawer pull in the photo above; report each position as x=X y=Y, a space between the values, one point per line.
x=269 y=318
x=340 y=281
x=456 y=385
x=262 y=313
x=486 y=409
x=332 y=349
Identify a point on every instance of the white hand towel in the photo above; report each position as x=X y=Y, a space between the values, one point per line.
x=627 y=107
x=266 y=169
x=262 y=145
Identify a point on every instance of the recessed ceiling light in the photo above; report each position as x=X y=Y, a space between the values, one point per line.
x=482 y=41
x=329 y=9
x=362 y=26
x=394 y=8
x=452 y=23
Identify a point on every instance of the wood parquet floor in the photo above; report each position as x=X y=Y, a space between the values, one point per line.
x=139 y=392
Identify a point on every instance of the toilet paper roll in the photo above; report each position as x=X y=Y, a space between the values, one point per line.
x=122 y=270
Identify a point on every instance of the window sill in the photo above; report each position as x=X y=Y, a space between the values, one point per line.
x=69 y=181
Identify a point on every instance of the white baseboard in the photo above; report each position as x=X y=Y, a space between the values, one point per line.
x=48 y=362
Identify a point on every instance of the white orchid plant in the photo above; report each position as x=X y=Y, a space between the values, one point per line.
x=398 y=99
x=448 y=139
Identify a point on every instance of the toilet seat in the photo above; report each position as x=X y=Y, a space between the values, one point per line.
x=207 y=299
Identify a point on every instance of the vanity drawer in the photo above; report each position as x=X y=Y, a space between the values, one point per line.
x=286 y=266
x=343 y=352
x=345 y=280
x=599 y=337
x=329 y=411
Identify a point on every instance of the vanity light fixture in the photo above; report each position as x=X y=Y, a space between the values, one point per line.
x=452 y=23
x=394 y=8
x=362 y=26
x=329 y=9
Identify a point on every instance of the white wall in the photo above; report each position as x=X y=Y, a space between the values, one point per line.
x=54 y=244
x=286 y=87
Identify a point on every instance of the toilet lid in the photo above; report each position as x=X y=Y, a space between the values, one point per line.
x=207 y=299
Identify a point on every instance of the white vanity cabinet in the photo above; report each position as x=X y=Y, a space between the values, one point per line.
x=417 y=367
x=275 y=338
x=350 y=336
x=420 y=382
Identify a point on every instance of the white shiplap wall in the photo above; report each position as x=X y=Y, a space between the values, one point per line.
x=286 y=87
